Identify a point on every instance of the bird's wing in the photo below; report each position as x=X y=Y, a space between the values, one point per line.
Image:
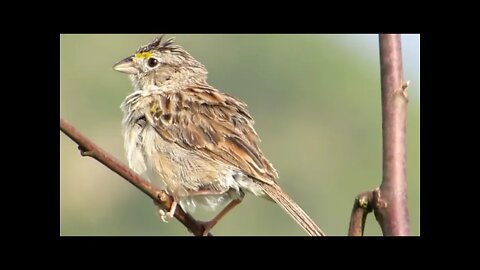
x=213 y=125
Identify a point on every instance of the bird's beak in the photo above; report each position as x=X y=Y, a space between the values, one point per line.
x=126 y=66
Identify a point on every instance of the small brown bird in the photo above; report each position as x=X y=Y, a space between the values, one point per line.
x=192 y=140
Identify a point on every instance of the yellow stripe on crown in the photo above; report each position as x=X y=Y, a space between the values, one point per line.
x=144 y=55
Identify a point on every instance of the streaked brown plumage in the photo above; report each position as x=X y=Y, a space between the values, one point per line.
x=193 y=140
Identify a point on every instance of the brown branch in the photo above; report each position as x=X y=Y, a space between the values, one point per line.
x=88 y=148
x=394 y=218
x=365 y=203
x=389 y=201
x=360 y=210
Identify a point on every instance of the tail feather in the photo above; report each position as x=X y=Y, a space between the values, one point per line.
x=293 y=209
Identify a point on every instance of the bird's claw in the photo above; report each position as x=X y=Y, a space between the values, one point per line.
x=165 y=216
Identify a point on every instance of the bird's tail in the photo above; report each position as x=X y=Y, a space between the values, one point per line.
x=293 y=209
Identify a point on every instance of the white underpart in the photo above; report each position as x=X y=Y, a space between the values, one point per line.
x=235 y=182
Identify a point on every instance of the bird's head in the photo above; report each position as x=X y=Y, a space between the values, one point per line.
x=159 y=63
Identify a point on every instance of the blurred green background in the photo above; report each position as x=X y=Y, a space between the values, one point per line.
x=316 y=102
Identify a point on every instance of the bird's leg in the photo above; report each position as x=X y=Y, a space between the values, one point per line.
x=165 y=216
x=207 y=226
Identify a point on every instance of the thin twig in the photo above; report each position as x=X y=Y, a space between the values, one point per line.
x=361 y=208
x=88 y=148
x=389 y=201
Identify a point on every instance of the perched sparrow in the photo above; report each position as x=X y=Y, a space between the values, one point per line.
x=192 y=140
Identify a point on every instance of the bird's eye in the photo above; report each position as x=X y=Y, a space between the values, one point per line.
x=152 y=62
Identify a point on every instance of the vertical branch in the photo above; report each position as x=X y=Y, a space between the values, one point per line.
x=394 y=217
x=389 y=201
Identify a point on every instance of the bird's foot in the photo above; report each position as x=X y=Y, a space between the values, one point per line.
x=164 y=215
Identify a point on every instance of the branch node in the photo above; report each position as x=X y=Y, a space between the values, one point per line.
x=403 y=90
x=363 y=200
x=85 y=152
x=378 y=201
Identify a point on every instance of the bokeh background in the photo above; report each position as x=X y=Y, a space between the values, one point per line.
x=316 y=102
